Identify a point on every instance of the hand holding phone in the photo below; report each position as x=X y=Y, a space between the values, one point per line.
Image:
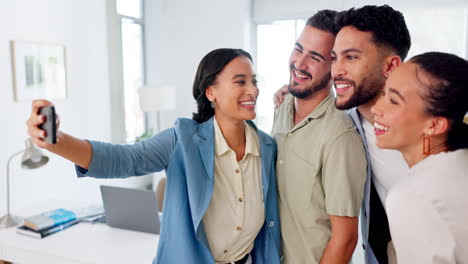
x=49 y=126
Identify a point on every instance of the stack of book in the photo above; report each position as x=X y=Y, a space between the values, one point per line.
x=42 y=225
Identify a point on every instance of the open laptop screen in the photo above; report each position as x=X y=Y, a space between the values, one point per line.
x=131 y=209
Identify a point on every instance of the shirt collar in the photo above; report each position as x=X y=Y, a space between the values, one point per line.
x=322 y=107
x=251 y=137
x=315 y=114
x=251 y=146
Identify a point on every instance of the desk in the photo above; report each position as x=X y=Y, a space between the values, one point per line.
x=82 y=243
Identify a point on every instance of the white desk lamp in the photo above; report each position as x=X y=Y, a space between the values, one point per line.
x=32 y=158
x=157 y=99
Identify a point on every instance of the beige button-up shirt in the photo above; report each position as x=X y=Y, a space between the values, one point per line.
x=321 y=170
x=236 y=212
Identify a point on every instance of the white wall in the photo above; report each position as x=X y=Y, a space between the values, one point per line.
x=181 y=32
x=81 y=27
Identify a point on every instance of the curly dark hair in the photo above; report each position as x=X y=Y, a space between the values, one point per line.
x=388 y=26
x=447 y=94
x=324 y=20
x=208 y=69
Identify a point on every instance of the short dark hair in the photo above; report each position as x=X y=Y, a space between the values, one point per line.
x=208 y=69
x=447 y=94
x=324 y=20
x=388 y=26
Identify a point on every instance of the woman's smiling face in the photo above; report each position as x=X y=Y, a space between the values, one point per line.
x=235 y=91
x=400 y=118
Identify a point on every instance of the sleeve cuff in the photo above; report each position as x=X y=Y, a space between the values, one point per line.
x=96 y=168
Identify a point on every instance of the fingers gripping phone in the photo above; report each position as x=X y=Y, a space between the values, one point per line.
x=49 y=126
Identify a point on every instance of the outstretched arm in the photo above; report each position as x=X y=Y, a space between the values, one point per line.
x=76 y=150
x=105 y=160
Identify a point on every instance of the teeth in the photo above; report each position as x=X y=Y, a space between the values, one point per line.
x=300 y=75
x=380 y=127
x=341 y=86
x=248 y=103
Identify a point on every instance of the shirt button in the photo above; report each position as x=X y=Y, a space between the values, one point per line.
x=363 y=246
x=237 y=171
x=280 y=161
x=238 y=228
x=225 y=251
x=289 y=134
x=240 y=199
x=272 y=224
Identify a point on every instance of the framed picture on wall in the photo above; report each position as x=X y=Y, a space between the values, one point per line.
x=38 y=70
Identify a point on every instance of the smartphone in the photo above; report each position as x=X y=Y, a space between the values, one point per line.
x=49 y=126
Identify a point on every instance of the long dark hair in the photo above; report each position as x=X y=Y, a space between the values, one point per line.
x=210 y=66
x=447 y=96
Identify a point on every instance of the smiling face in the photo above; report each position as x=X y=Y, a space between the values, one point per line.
x=235 y=92
x=400 y=119
x=310 y=62
x=357 y=69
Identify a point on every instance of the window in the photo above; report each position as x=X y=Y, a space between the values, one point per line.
x=275 y=42
x=132 y=22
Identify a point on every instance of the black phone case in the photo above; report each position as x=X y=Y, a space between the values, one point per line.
x=49 y=125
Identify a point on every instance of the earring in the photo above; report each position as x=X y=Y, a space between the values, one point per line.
x=427 y=145
x=212 y=104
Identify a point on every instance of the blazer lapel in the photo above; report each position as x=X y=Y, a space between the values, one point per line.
x=266 y=148
x=202 y=182
x=355 y=116
x=206 y=146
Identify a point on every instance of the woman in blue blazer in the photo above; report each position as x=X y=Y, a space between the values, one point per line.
x=226 y=92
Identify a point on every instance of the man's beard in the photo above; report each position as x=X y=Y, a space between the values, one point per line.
x=365 y=92
x=311 y=89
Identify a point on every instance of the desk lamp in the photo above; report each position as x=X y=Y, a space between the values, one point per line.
x=157 y=99
x=32 y=158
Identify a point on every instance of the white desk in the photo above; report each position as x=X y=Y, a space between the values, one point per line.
x=82 y=243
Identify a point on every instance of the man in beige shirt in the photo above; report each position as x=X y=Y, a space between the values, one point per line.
x=321 y=166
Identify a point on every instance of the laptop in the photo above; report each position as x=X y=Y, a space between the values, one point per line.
x=131 y=209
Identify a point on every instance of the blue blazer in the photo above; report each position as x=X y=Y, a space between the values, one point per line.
x=186 y=152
